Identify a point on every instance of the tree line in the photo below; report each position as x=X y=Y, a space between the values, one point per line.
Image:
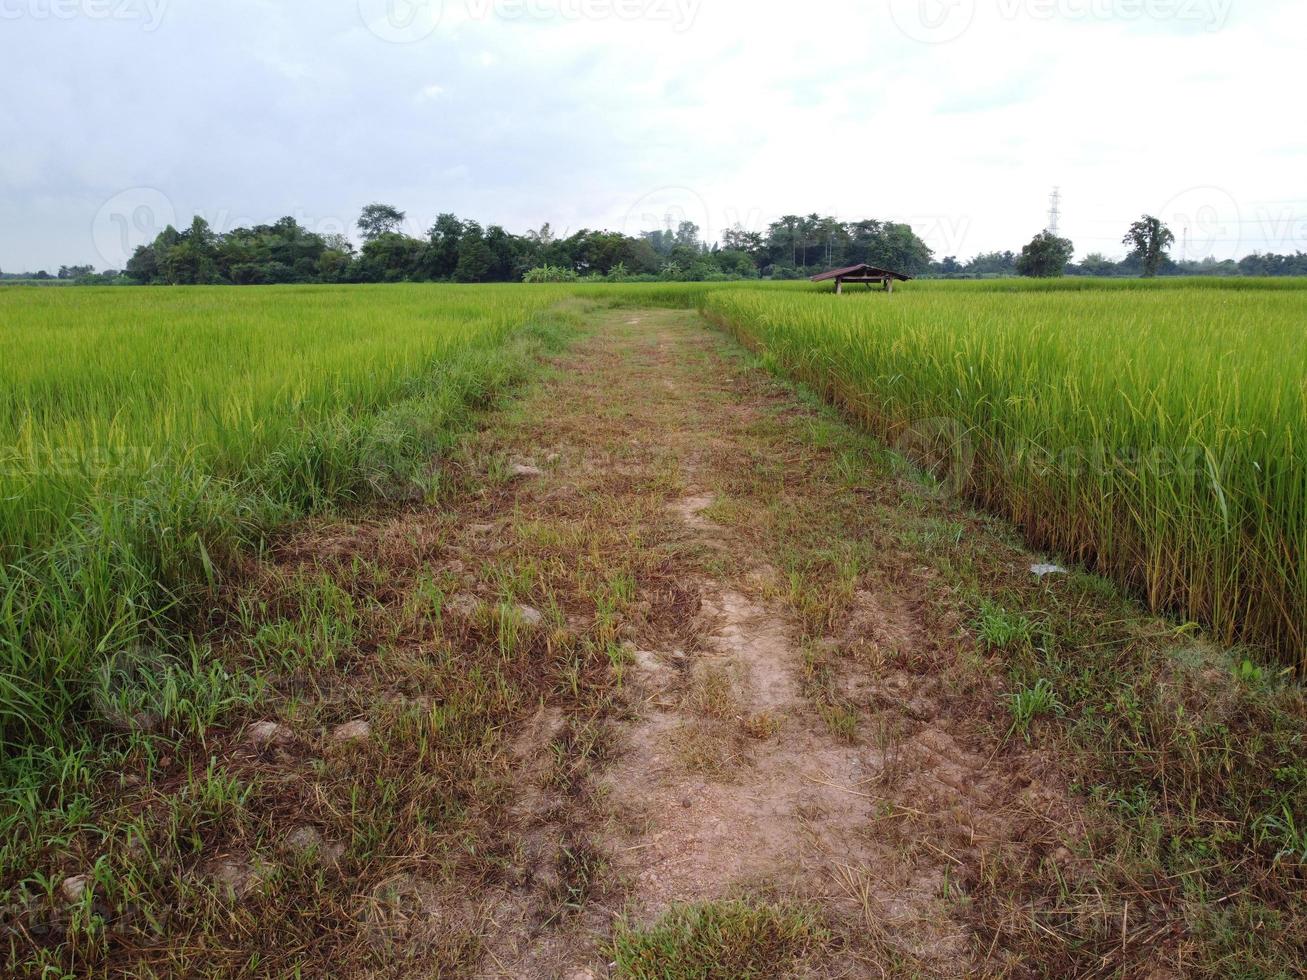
x=458 y=250
x=1149 y=241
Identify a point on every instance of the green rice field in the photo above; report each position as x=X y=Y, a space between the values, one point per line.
x=147 y=437
x=1154 y=431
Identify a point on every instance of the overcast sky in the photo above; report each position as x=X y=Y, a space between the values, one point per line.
x=958 y=116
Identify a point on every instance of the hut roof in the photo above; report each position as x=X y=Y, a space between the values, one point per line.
x=861 y=269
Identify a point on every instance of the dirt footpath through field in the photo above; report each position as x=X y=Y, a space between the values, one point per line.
x=677 y=681
x=796 y=726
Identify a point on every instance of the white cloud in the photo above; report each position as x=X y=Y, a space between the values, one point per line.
x=740 y=110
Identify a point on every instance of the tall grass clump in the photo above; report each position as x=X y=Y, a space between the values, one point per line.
x=1158 y=434
x=149 y=436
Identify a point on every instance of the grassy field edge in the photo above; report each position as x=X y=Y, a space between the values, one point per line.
x=130 y=566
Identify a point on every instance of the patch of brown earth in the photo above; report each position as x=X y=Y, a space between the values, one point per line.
x=792 y=810
x=690 y=511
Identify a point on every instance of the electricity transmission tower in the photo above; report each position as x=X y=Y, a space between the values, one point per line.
x=1054 y=210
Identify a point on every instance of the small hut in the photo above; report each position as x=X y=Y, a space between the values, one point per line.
x=862 y=273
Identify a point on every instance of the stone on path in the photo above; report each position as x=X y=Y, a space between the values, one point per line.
x=74 y=887
x=307 y=840
x=463 y=604
x=530 y=616
x=263 y=733
x=352 y=731
x=240 y=877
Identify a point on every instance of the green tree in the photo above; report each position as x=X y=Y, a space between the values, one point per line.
x=508 y=251
x=143 y=266
x=898 y=248
x=831 y=238
x=376 y=220
x=391 y=257
x=641 y=258
x=475 y=259
x=809 y=234
x=736 y=239
x=1045 y=257
x=735 y=262
x=687 y=236
x=660 y=241
x=1096 y=264
x=190 y=257
x=440 y=255
x=332 y=265
x=1149 y=238
x=785 y=234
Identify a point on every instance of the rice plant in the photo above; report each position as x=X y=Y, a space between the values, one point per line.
x=1157 y=432
x=148 y=436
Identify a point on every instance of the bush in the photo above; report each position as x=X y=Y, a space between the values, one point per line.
x=549 y=273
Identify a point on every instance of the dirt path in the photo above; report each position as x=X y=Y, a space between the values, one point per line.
x=792 y=721
x=677 y=680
